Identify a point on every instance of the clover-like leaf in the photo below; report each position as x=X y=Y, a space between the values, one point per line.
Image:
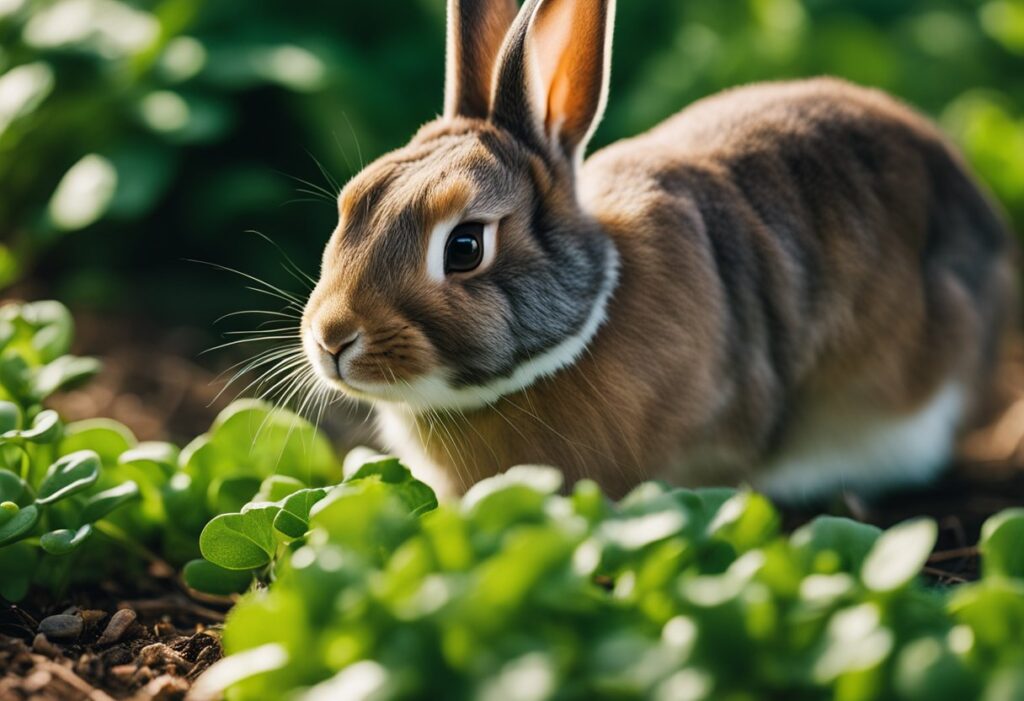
x=18 y=524
x=241 y=541
x=100 y=504
x=69 y=475
x=899 y=554
x=293 y=518
x=1002 y=544
x=207 y=577
x=64 y=540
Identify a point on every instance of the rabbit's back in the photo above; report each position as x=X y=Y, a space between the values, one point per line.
x=857 y=269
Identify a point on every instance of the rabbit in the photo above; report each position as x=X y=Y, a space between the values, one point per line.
x=796 y=286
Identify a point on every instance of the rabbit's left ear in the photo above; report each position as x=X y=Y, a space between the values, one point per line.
x=476 y=30
x=551 y=82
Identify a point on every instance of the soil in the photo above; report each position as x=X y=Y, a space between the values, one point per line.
x=155 y=382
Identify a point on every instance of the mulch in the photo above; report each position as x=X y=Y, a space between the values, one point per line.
x=165 y=636
x=147 y=641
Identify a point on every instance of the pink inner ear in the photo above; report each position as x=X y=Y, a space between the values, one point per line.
x=567 y=50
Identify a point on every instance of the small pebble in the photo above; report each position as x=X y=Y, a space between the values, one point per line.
x=158 y=653
x=119 y=623
x=61 y=626
x=43 y=646
x=92 y=616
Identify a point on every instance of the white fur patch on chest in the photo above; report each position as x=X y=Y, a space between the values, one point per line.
x=832 y=452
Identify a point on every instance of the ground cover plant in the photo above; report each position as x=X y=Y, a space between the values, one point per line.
x=520 y=590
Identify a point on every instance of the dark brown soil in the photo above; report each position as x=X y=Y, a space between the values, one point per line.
x=147 y=642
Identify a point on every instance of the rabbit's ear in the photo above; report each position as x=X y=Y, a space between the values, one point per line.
x=476 y=30
x=551 y=83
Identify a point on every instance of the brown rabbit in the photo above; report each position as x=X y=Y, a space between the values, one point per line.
x=797 y=285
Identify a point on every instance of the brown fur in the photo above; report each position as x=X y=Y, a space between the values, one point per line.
x=784 y=249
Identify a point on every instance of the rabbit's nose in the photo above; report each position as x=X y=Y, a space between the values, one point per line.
x=335 y=343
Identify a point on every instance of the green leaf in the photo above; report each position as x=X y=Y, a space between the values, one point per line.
x=19 y=525
x=850 y=540
x=230 y=494
x=69 y=475
x=241 y=541
x=1002 y=544
x=277 y=487
x=107 y=438
x=8 y=510
x=99 y=505
x=207 y=577
x=746 y=521
x=10 y=416
x=899 y=554
x=16 y=375
x=55 y=328
x=61 y=373
x=159 y=456
x=293 y=518
x=64 y=540
x=13 y=488
x=45 y=428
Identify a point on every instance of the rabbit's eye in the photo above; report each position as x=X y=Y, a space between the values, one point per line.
x=465 y=248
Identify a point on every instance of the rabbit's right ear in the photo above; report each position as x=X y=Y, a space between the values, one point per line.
x=476 y=30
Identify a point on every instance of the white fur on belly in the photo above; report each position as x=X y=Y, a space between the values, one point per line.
x=867 y=455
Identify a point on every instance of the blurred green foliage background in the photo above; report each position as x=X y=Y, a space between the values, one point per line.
x=137 y=134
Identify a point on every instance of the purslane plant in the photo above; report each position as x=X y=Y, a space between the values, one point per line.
x=71 y=492
x=519 y=592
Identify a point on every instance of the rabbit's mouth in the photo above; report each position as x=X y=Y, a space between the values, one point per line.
x=372 y=365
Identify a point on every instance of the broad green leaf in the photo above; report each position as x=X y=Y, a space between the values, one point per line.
x=205 y=576
x=155 y=456
x=54 y=325
x=18 y=525
x=253 y=439
x=927 y=669
x=64 y=540
x=277 y=487
x=899 y=554
x=99 y=505
x=63 y=372
x=10 y=416
x=850 y=540
x=13 y=488
x=16 y=375
x=230 y=494
x=107 y=438
x=69 y=475
x=241 y=541
x=746 y=521
x=1002 y=544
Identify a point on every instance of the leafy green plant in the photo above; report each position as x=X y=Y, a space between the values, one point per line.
x=518 y=591
x=48 y=504
x=238 y=546
x=71 y=492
